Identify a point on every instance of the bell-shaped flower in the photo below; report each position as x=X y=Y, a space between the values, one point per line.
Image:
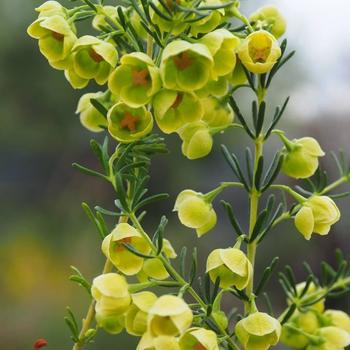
x=106 y=318
x=301 y=157
x=199 y=339
x=333 y=338
x=99 y=22
x=222 y=45
x=217 y=113
x=169 y=316
x=231 y=265
x=111 y=292
x=56 y=39
x=136 y=80
x=163 y=342
x=259 y=52
x=113 y=246
x=136 y=316
x=238 y=76
x=211 y=21
x=90 y=117
x=268 y=17
x=195 y=211
x=94 y=58
x=51 y=8
x=197 y=140
x=215 y=88
x=173 y=109
x=186 y=66
x=316 y=215
x=338 y=319
x=258 y=331
x=154 y=268
x=127 y=124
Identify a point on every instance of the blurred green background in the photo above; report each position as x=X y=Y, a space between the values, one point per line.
x=43 y=229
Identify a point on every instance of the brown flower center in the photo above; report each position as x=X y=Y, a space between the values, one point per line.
x=119 y=245
x=259 y=55
x=177 y=101
x=139 y=77
x=199 y=346
x=57 y=36
x=95 y=56
x=129 y=121
x=183 y=60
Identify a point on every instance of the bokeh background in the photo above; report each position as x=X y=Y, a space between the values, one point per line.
x=43 y=229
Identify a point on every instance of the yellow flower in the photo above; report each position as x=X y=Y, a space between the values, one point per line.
x=301 y=157
x=231 y=265
x=338 y=319
x=319 y=306
x=163 y=342
x=114 y=249
x=56 y=39
x=169 y=316
x=316 y=215
x=271 y=19
x=107 y=319
x=216 y=112
x=90 y=117
x=199 y=339
x=127 y=124
x=51 y=8
x=197 y=140
x=259 y=52
x=333 y=339
x=195 y=212
x=136 y=316
x=258 y=331
x=99 y=20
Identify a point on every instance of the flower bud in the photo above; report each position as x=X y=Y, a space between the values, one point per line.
x=136 y=80
x=301 y=159
x=259 y=52
x=197 y=141
x=318 y=306
x=127 y=124
x=222 y=45
x=163 y=342
x=195 y=212
x=114 y=249
x=217 y=113
x=111 y=294
x=169 y=316
x=258 y=331
x=268 y=17
x=199 y=339
x=111 y=321
x=56 y=39
x=185 y=66
x=173 y=109
x=93 y=59
x=317 y=215
x=90 y=117
x=333 y=338
x=338 y=319
x=231 y=265
x=136 y=316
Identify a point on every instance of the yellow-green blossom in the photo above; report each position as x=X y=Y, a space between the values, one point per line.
x=238 y=76
x=312 y=289
x=114 y=249
x=197 y=140
x=268 y=17
x=259 y=52
x=199 y=339
x=107 y=319
x=186 y=66
x=316 y=215
x=51 y=8
x=195 y=211
x=231 y=265
x=301 y=157
x=136 y=316
x=215 y=88
x=217 y=113
x=258 y=331
x=99 y=20
x=90 y=117
x=162 y=342
x=169 y=316
x=338 y=319
x=93 y=58
x=173 y=109
x=333 y=338
x=136 y=80
x=56 y=39
x=127 y=124
x=222 y=45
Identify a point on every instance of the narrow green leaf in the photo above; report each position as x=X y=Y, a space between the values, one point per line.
x=266 y=276
x=88 y=171
x=99 y=106
x=232 y=218
x=133 y=250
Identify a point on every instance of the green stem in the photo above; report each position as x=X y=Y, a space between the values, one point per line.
x=179 y=278
x=287 y=189
x=333 y=185
x=243 y=18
